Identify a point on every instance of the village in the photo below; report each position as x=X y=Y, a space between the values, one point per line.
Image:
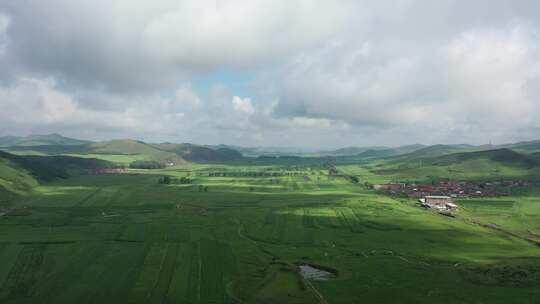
x=441 y=195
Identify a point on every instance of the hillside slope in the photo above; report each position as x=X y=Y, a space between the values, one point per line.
x=164 y=152
x=490 y=164
x=430 y=151
x=131 y=149
x=526 y=146
x=19 y=174
x=199 y=153
x=14 y=179
x=46 y=168
x=501 y=156
x=122 y=146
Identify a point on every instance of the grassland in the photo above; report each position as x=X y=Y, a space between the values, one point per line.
x=124 y=238
x=479 y=165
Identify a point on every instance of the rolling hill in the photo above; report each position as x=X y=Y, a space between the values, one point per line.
x=526 y=146
x=117 y=147
x=347 y=151
x=40 y=140
x=125 y=149
x=19 y=174
x=501 y=156
x=196 y=153
x=430 y=151
x=122 y=146
x=388 y=152
x=489 y=164
x=169 y=153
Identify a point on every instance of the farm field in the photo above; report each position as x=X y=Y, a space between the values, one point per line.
x=239 y=237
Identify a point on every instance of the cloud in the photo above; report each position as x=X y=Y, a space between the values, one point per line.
x=243 y=105
x=326 y=73
x=4 y=23
x=244 y=32
x=137 y=46
x=478 y=81
x=39 y=102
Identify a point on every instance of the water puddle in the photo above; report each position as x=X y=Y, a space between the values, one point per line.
x=311 y=272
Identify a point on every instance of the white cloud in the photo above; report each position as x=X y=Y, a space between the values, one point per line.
x=243 y=105
x=38 y=101
x=244 y=32
x=127 y=45
x=339 y=72
x=475 y=84
x=311 y=122
x=185 y=95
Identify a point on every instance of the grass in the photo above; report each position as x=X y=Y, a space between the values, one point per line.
x=14 y=179
x=121 y=159
x=479 y=165
x=125 y=238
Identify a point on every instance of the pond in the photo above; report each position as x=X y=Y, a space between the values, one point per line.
x=311 y=272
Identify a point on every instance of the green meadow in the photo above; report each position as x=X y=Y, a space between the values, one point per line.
x=125 y=238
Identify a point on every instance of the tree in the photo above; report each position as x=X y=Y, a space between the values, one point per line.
x=139 y=164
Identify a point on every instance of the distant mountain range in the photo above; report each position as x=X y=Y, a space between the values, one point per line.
x=20 y=173
x=54 y=144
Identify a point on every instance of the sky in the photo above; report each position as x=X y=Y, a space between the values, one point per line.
x=297 y=73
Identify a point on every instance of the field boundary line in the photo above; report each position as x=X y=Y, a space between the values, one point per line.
x=200 y=273
x=321 y=298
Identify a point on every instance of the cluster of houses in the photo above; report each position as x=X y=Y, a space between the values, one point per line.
x=453 y=189
x=441 y=195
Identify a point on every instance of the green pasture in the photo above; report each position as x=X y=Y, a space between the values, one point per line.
x=124 y=238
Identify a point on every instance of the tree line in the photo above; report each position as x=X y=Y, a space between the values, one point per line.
x=145 y=164
x=168 y=180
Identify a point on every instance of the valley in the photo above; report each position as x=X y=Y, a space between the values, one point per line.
x=236 y=230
